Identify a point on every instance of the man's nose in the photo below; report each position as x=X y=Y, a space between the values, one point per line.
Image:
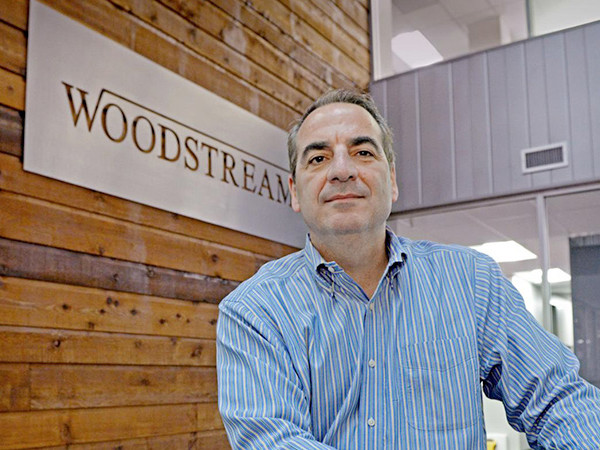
x=342 y=167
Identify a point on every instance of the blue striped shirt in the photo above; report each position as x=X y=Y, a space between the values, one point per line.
x=307 y=361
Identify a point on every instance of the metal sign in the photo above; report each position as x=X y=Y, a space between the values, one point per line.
x=100 y=116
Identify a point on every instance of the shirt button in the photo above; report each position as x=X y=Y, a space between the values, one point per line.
x=331 y=269
x=372 y=306
x=371 y=422
x=371 y=363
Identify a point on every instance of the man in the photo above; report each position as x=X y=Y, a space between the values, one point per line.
x=365 y=340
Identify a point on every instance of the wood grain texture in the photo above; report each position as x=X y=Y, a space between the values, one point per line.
x=304 y=34
x=12 y=49
x=12 y=90
x=30 y=303
x=14 y=179
x=222 y=21
x=270 y=32
x=11 y=132
x=14 y=12
x=217 y=50
x=201 y=440
x=25 y=260
x=52 y=428
x=45 y=223
x=31 y=429
x=356 y=11
x=38 y=345
x=328 y=21
x=14 y=387
x=58 y=386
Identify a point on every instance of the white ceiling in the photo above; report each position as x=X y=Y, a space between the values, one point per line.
x=568 y=216
x=450 y=25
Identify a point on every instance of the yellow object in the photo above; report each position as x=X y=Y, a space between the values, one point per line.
x=491 y=444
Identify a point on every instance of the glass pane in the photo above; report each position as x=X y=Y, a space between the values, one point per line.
x=412 y=33
x=548 y=16
x=574 y=228
x=508 y=222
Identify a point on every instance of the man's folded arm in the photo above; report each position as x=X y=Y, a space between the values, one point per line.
x=261 y=397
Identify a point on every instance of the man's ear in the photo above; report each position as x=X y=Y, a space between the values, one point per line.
x=292 y=185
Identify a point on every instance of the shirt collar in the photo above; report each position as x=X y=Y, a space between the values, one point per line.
x=394 y=247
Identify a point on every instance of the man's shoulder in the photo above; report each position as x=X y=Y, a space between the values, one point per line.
x=270 y=275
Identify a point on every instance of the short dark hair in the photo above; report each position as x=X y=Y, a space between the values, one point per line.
x=363 y=100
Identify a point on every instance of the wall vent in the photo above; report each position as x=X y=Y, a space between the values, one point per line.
x=546 y=157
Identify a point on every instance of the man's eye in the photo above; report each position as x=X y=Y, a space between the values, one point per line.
x=316 y=160
x=365 y=153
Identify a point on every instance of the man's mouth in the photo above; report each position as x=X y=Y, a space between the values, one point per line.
x=338 y=197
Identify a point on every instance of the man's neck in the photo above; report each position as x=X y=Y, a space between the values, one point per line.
x=363 y=256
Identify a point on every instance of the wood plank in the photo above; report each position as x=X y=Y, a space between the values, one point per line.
x=47 y=428
x=199 y=70
x=333 y=25
x=339 y=22
x=216 y=20
x=90 y=425
x=201 y=440
x=12 y=49
x=30 y=303
x=38 y=345
x=31 y=429
x=41 y=222
x=357 y=12
x=57 y=386
x=12 y=90
x=210 y=32
x=308 y=37
x=14 y=12
x=263 y=27
x=117 y=25
x=20 y=259
x=11 y=132
x=14 y=179
x=14 y=387
x=202 y=43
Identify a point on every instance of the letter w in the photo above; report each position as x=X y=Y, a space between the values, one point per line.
x=82 y=106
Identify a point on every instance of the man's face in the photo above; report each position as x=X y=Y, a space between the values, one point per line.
x=344 y=184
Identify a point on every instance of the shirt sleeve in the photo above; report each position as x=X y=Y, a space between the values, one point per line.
x=261 y=399
x=530 y=370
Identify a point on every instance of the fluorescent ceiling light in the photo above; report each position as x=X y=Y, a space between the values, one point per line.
x=555 y=275
x=506 y=251
x=414 y=49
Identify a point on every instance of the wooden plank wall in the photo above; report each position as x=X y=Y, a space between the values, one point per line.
x=107 y=307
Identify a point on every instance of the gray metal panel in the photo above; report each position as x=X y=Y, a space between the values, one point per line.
x=437 y=162
x=585 y=283
x=402 y=114
x=471 y=127
x=592 y=47
x=580 y=148
x=537 y=97
x=558 y=101
x=460 y=126
x=519 y=111
x=499 y=121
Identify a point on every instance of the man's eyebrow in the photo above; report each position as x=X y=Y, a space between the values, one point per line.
x=359 y=140
x=318 y=145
